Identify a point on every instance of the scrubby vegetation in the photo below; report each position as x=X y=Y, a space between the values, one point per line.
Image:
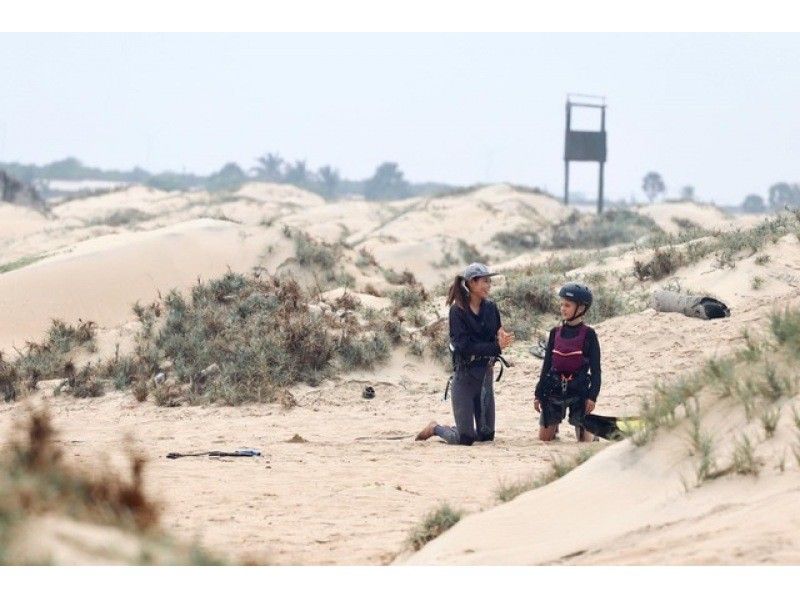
x=434 y=525
x=51 y=358
x=558 y=469
x=261 y=334
x=21 y=262
x=727 y=247
x=35 y=481
x=596 y=231
x=760 y=378
x=518 y=241
x=528 y=297
x=125 y=217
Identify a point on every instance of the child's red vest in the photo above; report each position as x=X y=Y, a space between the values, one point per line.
x=568 y=352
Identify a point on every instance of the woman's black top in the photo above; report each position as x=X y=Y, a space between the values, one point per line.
x=474 y=335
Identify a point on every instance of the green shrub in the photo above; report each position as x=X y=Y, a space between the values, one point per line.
x=435 y=523
x=408 y=296
x=469 y=253
x=364 y=351
x=517 y=241
x=123 y=217
x=596 y=231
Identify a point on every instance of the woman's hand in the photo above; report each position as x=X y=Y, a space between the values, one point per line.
x=537 y=404
x=504 y=339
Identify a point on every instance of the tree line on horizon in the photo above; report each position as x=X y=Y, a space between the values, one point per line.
x=779 y=196
x=386 y=183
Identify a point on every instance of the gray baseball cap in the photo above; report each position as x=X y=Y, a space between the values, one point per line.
x=476 y=270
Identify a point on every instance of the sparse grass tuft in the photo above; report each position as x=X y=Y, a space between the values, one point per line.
x=785 y=327
x=21 y=262
x=752 y=350
x=433 y=525
x=558 y=468
x=123 y=217
x=756 y=283
x=774 y=385
x=769 y=419
x=744 y=459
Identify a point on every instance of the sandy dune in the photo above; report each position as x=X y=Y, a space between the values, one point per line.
x=100 y=279
x=353 y=490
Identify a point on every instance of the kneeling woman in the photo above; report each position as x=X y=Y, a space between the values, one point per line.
x=477 y=338
x=570 y=377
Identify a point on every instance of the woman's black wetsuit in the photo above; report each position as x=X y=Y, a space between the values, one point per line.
x=475 y=347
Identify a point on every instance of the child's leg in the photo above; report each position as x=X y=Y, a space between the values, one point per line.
x=552 y=414
x=577 y=411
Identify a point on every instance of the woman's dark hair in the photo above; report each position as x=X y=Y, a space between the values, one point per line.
x=458 y=292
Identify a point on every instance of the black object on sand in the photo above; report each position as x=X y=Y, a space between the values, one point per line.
x=238 y=453
x=609 y=427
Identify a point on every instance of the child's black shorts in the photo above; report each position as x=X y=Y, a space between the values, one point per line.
x=554 y=410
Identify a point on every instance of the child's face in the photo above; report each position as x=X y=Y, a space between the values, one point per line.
x=568 y=309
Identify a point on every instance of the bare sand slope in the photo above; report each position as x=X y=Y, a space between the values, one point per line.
x=101 y=278
x=436 y=236
x=669 y=214
x=16 y=221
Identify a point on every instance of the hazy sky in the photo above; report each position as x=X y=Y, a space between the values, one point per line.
x=717 y=111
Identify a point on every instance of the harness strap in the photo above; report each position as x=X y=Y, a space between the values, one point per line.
x=447 y=388
x=503 y=365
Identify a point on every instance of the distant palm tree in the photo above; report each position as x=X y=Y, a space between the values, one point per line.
x=388 y=182
x=269 y=167
x=330 y=180
x=297 y=173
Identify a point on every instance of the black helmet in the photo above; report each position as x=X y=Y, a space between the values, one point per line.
x=579 y=293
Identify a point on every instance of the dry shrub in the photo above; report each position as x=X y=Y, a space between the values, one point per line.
x=48 y=359
x=37 y=481
x=596 y=231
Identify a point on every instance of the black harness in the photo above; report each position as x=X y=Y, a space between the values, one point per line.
x=461 y=364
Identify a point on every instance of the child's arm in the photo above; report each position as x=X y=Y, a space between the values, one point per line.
x=593 y=354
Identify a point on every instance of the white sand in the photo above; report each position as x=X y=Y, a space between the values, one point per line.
x=352 y=493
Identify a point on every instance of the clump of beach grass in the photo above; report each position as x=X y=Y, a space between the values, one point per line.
x=433 y=525
x=558 y=469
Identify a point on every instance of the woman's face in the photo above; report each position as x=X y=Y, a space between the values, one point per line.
x=568 y=309
x=480 y=287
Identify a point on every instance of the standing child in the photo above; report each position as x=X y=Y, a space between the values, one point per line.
x=570 y=377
